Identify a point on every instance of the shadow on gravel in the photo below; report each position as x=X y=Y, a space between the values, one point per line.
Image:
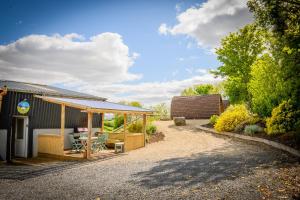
x=213 y=166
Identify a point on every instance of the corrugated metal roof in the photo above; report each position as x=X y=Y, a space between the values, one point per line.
x=92 y=104
x=45 y=90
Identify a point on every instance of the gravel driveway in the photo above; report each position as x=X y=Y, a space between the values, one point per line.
x=188 y=164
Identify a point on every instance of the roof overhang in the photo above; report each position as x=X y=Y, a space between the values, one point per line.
x=95 y=106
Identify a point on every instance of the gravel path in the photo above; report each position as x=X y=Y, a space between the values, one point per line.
x=188 y=164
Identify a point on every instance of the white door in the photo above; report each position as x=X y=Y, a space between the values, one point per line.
x=21 y=134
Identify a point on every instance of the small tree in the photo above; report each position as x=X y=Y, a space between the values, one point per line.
x=161 y=111
x=202 y=89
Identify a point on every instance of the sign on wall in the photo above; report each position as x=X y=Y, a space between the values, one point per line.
x=23 y=107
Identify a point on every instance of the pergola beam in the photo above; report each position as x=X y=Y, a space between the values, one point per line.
x=144 y=127
x=62 y=126
x=102 y=123
x=90 y=125
x=125 y=127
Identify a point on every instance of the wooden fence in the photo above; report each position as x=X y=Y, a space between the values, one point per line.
x=132 y=140
x=50 y=144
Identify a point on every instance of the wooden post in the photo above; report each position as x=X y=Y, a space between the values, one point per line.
x=90 y=124
x=144 y=127
x=62 y=127
x=125 y=127
x=102 y=123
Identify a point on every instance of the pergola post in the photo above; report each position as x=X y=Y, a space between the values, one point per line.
x=144 y=127
x=90 y=125
x=125 y=127
x=62 y=127
x=102 y=123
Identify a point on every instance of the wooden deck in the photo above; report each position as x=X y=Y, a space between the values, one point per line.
x=94 y=156
x=72 y=155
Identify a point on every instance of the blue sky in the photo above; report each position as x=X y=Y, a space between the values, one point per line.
x=146 y=56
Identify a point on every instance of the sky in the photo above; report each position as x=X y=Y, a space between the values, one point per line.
x=146 y=51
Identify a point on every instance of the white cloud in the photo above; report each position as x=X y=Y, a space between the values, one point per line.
x=103 y=58
x=211 y=21
x=98 y=65
x=149 y=93
x=163 y=29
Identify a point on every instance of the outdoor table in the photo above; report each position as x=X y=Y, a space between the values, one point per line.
x=84 y=139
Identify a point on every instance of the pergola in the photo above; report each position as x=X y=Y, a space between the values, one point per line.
x=94 y=106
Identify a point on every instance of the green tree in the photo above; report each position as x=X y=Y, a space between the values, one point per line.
x=135 y=104
x=237 y=53
x=188 y=92
x=281 y=17
x=161 y=111
x=202 y=89
x=266 y=86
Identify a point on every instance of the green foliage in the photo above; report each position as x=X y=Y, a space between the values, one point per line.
x=213 y=119
x=151 y=129
x=266 y=86
x=109 y=123
x=282 y=19
x=188 y=92
x=285 y=118
x=202 y=89
x=135 y=104
x=136 y=127
x=131 y=103
x=237 y=53
x=282 y=16
x=233 y=116
x=118 y=121
x=161 y=111
x=108 y=128
x=250 y=121
x=252 y=129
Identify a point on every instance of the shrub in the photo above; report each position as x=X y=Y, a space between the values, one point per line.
x=118 y=121
x=251 y=129
x=213 y=119
x=233 y=116
x=285 y=117
x=109 y=123
x=136 y=127
x=151 y=129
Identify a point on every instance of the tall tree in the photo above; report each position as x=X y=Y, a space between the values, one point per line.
x=282 y=17
x=266 y=86
x=237 y=53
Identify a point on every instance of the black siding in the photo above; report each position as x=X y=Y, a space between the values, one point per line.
x=41 y=115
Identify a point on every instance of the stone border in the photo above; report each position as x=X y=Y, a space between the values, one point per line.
x=255 y=139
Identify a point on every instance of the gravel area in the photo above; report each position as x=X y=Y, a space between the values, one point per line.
x=188 y=164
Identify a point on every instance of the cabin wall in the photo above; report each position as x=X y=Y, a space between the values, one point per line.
x=42 y=115
x=195 y=107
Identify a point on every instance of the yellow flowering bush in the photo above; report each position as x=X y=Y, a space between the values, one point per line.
x=232 y=117
x=285 y=118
